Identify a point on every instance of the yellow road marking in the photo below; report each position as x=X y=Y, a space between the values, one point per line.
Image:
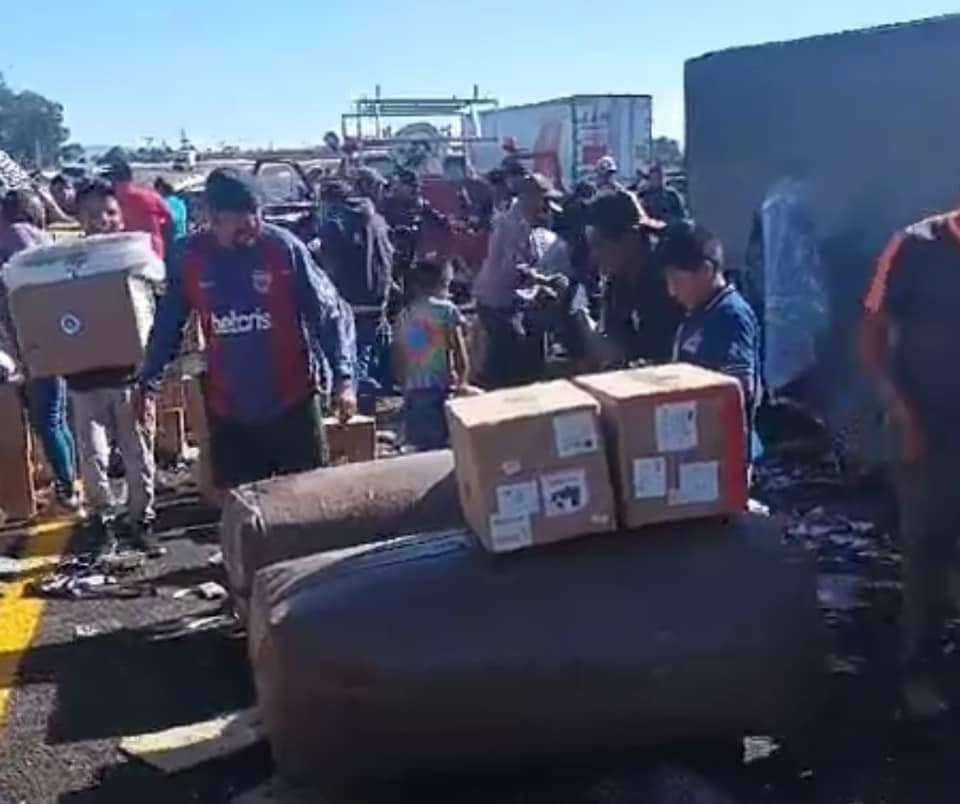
x=19 y=613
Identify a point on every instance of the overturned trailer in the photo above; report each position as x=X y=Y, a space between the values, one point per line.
x=821 y=148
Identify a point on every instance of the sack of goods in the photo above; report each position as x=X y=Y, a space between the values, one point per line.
x=84 y=305
x=339 y=506
x=429 y=654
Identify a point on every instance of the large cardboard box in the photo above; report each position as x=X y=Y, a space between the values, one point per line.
x=677 y=438
x=531 y=465
x=17 y=498
x=84 y=305
x=84 y=324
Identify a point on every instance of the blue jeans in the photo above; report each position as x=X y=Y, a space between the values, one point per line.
x=47 y=402
x=425 y=420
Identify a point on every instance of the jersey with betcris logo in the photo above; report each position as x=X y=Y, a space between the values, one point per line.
x=258 y=356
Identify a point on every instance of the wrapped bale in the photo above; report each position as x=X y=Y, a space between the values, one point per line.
x=335 y=507
x=428 y=654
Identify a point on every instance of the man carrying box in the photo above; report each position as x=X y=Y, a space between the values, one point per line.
x=104 y=411
x=269 y=316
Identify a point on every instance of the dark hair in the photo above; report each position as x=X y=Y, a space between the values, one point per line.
x=614 y=214
x=22 y=206
x=162 y=186
x=232 y=190
x=94 y=188
x=686 y=247
x=120 y=170
x=60 y=179
x=428 y=274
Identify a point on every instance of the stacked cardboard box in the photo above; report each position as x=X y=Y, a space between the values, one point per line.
x=531 y=465
x=677 y=441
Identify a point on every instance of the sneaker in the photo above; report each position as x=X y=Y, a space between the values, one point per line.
x=68 y=501
x=99 y=537
x=142 y=538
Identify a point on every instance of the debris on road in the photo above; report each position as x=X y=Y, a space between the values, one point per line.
x=757 y=748
x=182 y=747
x=210 y=590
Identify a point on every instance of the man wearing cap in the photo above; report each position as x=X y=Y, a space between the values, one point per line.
x=269 y=316
x=143 y=208
x=356 y=251
x=719 y=330
x=639 y=317
x=509 y=265
x=607 y=174
x=661 y=202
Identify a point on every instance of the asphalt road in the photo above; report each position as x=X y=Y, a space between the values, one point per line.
x=142 y=670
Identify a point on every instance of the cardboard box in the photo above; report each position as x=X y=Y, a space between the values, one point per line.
x=199 y=435
x=677 y=439
x=88 y=323
x=353 y=442
x=17 y=493
x=531 y=465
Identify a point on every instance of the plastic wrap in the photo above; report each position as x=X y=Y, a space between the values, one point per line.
x=794 y=302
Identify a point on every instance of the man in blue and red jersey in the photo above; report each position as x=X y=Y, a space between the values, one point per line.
x=269 y=315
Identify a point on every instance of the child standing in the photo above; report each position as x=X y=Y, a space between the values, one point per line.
x=430 y=354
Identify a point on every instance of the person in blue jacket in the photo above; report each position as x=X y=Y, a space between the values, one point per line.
x=270 y=316
x=719 y=330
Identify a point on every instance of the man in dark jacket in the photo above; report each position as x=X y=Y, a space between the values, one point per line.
x=911 y=347
x=269 y=316
x=356 y=251
x=661 y=202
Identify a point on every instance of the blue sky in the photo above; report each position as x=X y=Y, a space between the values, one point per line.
x=282 y=71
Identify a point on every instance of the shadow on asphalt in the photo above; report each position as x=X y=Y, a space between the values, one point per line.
x=134 y=681
x=215 y=782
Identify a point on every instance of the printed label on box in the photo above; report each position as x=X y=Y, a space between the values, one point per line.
x=575 y=434
x=564 y=493
x=511 y=468
x=510 y=532
x=699 y=483
x=518 y=499
x=649 y=478
x=676 y=424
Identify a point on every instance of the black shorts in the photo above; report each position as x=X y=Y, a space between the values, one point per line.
x=293 y=442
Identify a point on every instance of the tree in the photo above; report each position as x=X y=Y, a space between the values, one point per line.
x=31 y=126
x=667 y=152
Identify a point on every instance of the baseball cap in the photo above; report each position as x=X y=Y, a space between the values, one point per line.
x=686 y=246
x=615 y=213
x=606 y=164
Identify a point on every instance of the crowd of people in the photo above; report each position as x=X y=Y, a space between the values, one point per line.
x=605 y=275
x=364 y=305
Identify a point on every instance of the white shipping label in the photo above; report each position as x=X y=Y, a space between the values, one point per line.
x=649 y=478
x=676 y=425
x=510 y=533
x=699 y=483
x=564 y=493
x=575 y=434
x=518 y=499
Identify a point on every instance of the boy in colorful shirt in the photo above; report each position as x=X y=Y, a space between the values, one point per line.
x=430 y=355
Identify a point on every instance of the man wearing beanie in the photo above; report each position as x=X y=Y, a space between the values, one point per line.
x=269 y=316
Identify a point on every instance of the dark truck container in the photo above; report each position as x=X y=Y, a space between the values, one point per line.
x=869 y=119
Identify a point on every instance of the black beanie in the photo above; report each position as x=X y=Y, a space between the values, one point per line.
x=231 y=190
